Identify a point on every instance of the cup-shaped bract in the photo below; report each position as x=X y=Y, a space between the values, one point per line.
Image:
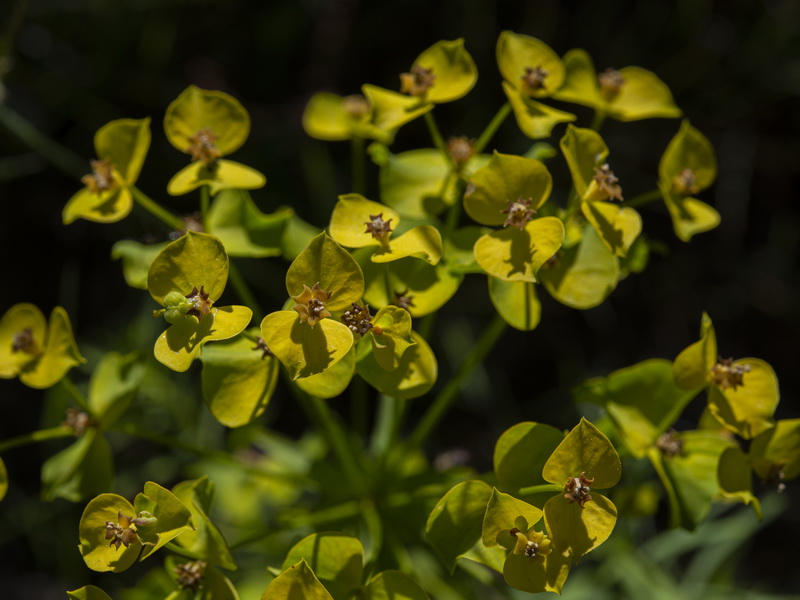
x=323 y=279
x=442 y=73
x=687 y=167
x=357 y=223
x=39 y=354
x=298 y=581
x=579 y=521
x=97 y=553
x=627 y=94
x=208 y=125
x=121 y=147
x=775 y=453
x=187 y=278
x=337 y=560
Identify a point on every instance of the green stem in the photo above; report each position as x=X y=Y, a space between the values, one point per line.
x=359 y=169
x=358 y=405
x=454 y=212
x=573 y=205
x=338 y=442
x=244 y=291
x=597 y=122
x=173 y=547
x=442 y=403
x=492 y=127
x=205 y=202
x=61 y=156
x=216 y=455
x=155 y=209
x=36 y=436
x=74 y=392
x=645 y=198
x=540 y=489
x=436 y=136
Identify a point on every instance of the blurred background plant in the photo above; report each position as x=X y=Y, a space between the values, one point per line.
x=70 y=66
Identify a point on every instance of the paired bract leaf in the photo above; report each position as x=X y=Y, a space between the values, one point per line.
x=503 y=180
x=39 y=354
x=456 y=522
x=336 y=559
x=775 y=453
x=94 y=547
x=172 y=517
x=516 y=302
x=747 y=409
x=533 y=576
x=735 y=478
x=582 y=275
x=393 y=585
x=517 y=52
x=391 y=110
x=389 y=347
x=584 y=150
x=206 y=540
x=643 y=401
x=692 y=367
x=585 y=450
x=79 y=471
x=113 y=385
x=521 y=452
x=576 y=530
x=535 y=120
x=333 y=380
x=136 y=260
x=513 y=254
x=121 y=147
x=298 y=581
x=196 y=110
x=453 y=70
x=634 y=93
x=238 y=381
x=222 y=174
x=503 y=513
x=88 y=592
x=414 y=376
x=687 y=167
x=242 y=228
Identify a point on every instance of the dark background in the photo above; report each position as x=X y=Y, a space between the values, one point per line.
x=733 y=67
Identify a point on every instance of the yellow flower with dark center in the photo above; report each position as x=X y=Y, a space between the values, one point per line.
x=311 y=304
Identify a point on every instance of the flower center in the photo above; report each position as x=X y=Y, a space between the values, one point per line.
x=23 y=341
x=727 y=375
x=519 y=212
x=359 y=320
x=356 y=106
x=102 y=177
x=608 y=182
x=121 y=533
x=379 y=228
x=670 y=444
x=534 y=78
x=403 y=299
x=611 y=82
x=417 y=82
x=78 y=420
x=577 y=489
x=191 y=574
x=460 y=149
x=201 y=304
x=311 y=304
x=685 y=183
x=202 y=147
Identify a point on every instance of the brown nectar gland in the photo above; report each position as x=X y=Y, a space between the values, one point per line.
x=727 y=375
x=359 y=320
x=202 y=147
x=608 y=182
x=403 y=299
x=460 y=150
x=77 y=420
x=610 y=82
x=311 y=304
x=23 y=341
x=191 y=574
x=417 y=82
x=120 y=533
x=534 y=78
x=685 y=183
x=356 y=106
x=262 y=346
x=577 y=489
x=670 y=444
x=379 y=228
x=200 y=300
x=519 y=213
x=102 y=177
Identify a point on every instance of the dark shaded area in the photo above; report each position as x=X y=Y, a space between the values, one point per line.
x=733 y=67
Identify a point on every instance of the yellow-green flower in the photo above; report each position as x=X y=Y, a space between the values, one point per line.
x=531 y=70
x=40 y=354
x=442 y=73
x=209 y=125
x=121 y=147
x=627 y=94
